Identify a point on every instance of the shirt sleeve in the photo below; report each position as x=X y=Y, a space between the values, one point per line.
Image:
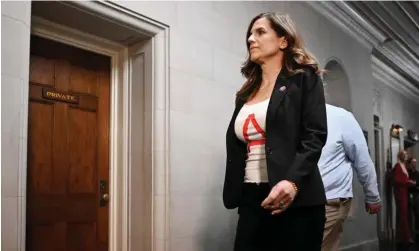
x=356 y=149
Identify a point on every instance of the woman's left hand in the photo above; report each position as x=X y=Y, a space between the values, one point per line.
x=280 y=197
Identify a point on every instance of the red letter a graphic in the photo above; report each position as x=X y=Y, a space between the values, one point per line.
x=251 y=118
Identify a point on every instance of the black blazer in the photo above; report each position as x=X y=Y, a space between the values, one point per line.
x=296 y=131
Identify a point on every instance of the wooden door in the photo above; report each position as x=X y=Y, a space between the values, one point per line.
x=68 y=148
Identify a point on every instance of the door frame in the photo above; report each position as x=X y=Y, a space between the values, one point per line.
x=120 y=238
x=381 y=171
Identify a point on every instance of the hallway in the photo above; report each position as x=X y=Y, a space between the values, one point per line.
x=135 y=136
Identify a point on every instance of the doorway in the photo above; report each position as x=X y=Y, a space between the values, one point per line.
x=379 y=169
x=137 y=203
x=336 y=80
x=383 y=228
x=68 y=148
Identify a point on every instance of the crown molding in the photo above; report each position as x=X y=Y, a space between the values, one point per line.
x=400 y=57
x=397 y=57
x=393 y=80
x=346 y=22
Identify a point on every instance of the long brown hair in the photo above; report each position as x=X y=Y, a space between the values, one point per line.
x=295 y=55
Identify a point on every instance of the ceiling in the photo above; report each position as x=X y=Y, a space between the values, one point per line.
x=389 y=28
x=399 y=23
x=396 y=20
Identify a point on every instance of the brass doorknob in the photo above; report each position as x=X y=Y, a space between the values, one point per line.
x=105 y=197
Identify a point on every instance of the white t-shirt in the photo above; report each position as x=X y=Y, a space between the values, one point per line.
x=250 y=127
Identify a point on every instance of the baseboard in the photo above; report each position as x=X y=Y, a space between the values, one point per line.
x=369 y=245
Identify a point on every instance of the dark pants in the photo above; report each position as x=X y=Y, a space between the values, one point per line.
x=296 y=229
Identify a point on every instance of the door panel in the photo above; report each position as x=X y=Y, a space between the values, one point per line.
x=82 y=156
x=68 y=148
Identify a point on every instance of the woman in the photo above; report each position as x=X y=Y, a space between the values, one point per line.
x=401 y=184
x=274 y=142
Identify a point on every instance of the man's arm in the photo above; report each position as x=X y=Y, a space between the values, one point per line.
x=356 y=149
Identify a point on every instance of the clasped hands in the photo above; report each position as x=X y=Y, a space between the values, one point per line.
x=280 y=197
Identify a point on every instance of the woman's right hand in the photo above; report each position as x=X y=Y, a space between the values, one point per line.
x=280 y=197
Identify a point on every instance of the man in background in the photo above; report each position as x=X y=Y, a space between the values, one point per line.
x=414 y=197
x=345 y=150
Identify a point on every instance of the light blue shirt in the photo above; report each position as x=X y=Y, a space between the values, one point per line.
x=346 y=149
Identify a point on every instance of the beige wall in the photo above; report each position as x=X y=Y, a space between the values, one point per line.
x=15 y=23
x=207 y=47
x=394 y=108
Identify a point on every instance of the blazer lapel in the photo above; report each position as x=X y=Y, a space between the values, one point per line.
x=239 y=106
x=279 y=91
x=237 y=109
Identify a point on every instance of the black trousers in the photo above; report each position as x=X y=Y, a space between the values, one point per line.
x=296 y=229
